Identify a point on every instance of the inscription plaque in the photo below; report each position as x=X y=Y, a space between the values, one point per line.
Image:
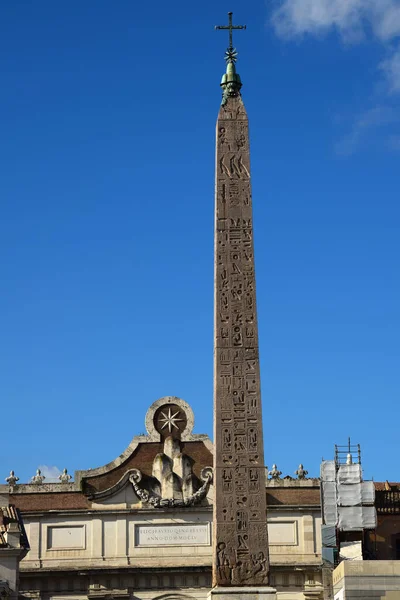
x=184 y=534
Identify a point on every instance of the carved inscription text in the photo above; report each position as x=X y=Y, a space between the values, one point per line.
x=240 y=519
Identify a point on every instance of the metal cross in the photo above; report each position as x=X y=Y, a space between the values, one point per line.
x=231 y=28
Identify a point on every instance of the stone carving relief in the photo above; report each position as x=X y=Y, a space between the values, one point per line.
x=241 y=555
x=38 y=478
x=234 y=167
x=237 y=112
x=173 y=483
x=301 y=472
x=12 y=479
x=176 y=498
x=65 y=477
x=160 y=421
x=237 y=572
x=275 y=473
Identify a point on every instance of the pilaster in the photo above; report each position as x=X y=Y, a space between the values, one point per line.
x=121 y=538
x=97 y=538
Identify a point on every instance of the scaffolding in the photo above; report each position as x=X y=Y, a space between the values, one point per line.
x=342 y=453
x=347 y=509
x=347 y=501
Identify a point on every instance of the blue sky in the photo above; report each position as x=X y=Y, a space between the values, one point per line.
x=107 y=117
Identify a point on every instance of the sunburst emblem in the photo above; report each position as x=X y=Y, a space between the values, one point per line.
x=170 y=420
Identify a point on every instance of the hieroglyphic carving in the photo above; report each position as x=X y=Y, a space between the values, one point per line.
x=233 y=166
x=240 y=521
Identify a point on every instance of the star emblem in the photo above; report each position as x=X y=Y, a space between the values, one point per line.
x=231 y=55
x=170 y=420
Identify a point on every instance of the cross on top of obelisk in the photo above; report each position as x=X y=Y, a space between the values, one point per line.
x=231 y=53
x=231 y=82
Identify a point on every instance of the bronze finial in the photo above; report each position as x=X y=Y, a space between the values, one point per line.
x=231 y=82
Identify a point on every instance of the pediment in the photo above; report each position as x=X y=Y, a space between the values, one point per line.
x=122 y=493
x=167 y=418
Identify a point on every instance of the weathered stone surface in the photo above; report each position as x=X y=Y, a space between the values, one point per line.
x=367 y=579
x=240 y=518
x=243 y=593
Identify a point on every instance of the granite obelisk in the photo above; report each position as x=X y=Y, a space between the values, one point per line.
x=240 y=561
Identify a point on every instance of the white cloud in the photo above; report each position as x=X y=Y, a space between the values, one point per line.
x=387 y=24
x=378 y=117
x=391 y=68
x=297 y=17
x=351 y=18
x=51 y=473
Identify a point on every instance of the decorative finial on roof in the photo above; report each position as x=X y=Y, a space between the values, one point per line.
x=38 y=478
x=275 y=473
x=231 y=82
x=12 y=479
x=301 y=472
x=65 y=476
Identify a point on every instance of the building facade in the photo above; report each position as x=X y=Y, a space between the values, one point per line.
x=140 y=527
x=367 y=579
x=383 y=543
x=13 y=543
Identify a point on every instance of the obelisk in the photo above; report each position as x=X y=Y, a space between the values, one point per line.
x=240 y=536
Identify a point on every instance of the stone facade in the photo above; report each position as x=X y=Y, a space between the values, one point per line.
x=367 y=580
x=383 y=543
x=13 y=544
x=95 y=537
